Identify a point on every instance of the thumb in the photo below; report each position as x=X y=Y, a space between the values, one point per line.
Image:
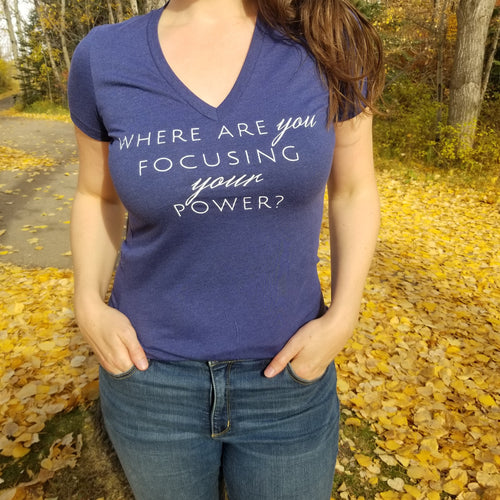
x=138 y=357
x=135 y=350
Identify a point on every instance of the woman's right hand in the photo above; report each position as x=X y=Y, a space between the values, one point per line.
x=112 y=338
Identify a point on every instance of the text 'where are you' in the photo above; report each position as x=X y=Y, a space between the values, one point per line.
x=193 y=134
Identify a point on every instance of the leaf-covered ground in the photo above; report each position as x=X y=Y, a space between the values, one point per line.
x=14 y=159
x=36 y=191
x=422 y=367
x=46 y=367
x=423 y=364
x=47 y=114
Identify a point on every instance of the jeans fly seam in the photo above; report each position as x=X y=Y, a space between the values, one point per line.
x=228 y=389
x=214 y=404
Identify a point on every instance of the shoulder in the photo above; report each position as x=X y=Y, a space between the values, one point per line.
x=279 y=48
x=274 y=36
x=119 y=34
x=287 y=60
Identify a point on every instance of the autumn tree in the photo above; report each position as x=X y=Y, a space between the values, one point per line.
x=11 y=18
x=62 y=34
x=54 y=30
x=466 y=85
x=47 y=41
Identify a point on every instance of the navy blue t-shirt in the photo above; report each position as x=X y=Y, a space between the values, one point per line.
x=225 y=203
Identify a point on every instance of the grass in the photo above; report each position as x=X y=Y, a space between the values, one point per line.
x=40 y=110
x=44 y=108
x=24 y=469
x=353 y=480
x=96 y=475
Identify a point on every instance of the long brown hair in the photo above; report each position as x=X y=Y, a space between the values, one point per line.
x=346 y=47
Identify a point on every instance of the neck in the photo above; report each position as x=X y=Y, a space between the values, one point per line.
x=209 y=11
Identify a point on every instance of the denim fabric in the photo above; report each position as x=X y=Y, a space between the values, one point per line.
x=179 y=425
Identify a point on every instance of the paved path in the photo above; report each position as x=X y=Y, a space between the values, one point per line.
x=7 y=102
x=35 y=204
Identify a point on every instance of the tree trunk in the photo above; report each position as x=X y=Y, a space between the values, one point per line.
x=19 y=19
x=62 y=34
x=11 y=29
x=473 y=20
x=134 y=8
x=53 y=65
x=491 y=57
x=154 y=4
x=110 y=13
x=119 y=10
x=441 y=22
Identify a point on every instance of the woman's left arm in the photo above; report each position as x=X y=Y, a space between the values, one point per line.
x=354 y=216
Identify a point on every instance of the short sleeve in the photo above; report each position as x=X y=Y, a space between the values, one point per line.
x=348 y=109
x=82 y=100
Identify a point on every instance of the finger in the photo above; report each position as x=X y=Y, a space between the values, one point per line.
x=112 y=351
x=116 y=361
x=279 y=362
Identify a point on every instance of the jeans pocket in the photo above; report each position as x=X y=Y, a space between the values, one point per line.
x=300 y=380
x=121 y=376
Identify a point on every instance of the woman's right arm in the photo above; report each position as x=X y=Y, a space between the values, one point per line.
x=96 y=234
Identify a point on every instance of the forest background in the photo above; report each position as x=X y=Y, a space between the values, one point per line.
x=435 y=279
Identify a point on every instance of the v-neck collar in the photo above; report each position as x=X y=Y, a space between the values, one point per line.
x=212 y=112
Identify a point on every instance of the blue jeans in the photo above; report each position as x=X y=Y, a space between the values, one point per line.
x=179 y=426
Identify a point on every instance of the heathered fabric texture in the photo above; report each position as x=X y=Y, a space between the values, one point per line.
x=225 y=204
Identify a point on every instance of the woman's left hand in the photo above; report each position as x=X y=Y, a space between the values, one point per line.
x=313 y=347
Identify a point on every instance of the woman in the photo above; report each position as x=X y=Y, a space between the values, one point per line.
x=217 y=124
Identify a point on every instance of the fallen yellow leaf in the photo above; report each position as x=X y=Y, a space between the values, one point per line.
x=19 y=451
x=486 y=400
x=363 y=460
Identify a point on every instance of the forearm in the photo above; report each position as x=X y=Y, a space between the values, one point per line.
x=354 y=215
x=354 y=224
x=96 y=235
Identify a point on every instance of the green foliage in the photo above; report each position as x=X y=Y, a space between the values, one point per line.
x=35 y=79
x=371 y=10
x=43 y=107
x=41 y=48
x=413 y=131
x=5 y=76
x=490 y=111
x=409 y=126
x=494 y=82
x=482 y=159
